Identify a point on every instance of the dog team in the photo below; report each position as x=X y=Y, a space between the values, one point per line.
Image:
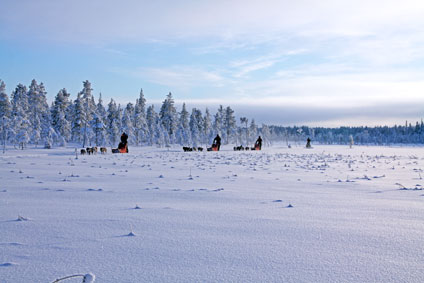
x=216 y=145
x=93 y=150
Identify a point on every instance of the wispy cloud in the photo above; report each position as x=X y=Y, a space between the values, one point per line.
x=178 y=77
x=131 y=20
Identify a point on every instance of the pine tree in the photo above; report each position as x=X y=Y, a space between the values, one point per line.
x=5 y=113
x=89 y=108
x=100 y=109
x=22 y=125
x=99 y=130
x=60 y=121
x=20 y=108
x=207 y=128
x=168 y=116
x=5 y=107
x=244 y=121
x=47 y=132
x=150 y=120
x=127 y=123
x=229 y=124
x=218 y=123
x=140 y=125
x=155 y=127
x=266 y=135
x=196 y=126
x=253 y=131
x=120 y=115
x=77 y=119
x=34 y=112
x=99 y=123
x=183 y=132
x=112 y=122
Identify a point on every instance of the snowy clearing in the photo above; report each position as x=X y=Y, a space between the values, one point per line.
x=326 y=214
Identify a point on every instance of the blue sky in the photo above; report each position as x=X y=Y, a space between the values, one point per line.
x=326 y=63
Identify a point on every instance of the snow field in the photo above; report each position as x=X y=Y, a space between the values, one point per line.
x=327 y=214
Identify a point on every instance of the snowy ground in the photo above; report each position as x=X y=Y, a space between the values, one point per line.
x=213 y=216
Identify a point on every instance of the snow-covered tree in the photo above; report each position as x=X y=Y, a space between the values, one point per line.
x=99 y=123
x=60 y=121
x=151 y=117
x=168 y=117
x=253 y=131
x=244 y=121
x=48 y=134
x=196 y=126
x=22 y=125
x=5 y=112
x=156 y=128
x=89 y=109
x=229 y=124
x=5 y=107
x=112 y=123
x=141 y=131
x=99 y=130
x=207 y=128
x=218 y=123
x=100 y=109
x=266 y=135
x=127 y=123
x=34 y=112
x=19 y=117
x=120 y=116
x=77 y=118
x=183 y=131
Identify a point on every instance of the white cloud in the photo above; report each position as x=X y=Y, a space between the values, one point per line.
x=177 y=77
x=131 y=20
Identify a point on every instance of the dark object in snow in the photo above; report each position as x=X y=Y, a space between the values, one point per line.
x=214 y=147
x=123 y=145
x=239 y=148
x=83 y=151
x=187 y=149
x=21 y=218
x=87 y=278
x=103 y=150
x=258 y=143
x=308 y=143
x=91 y=150
x=216 y=144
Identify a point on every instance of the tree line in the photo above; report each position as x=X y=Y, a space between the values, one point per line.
x=26 y=118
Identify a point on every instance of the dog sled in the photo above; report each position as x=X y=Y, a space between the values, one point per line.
x=122 y=148
x=214 y=147
x=123 y=145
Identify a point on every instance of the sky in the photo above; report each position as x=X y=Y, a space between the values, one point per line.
x=317 y=63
